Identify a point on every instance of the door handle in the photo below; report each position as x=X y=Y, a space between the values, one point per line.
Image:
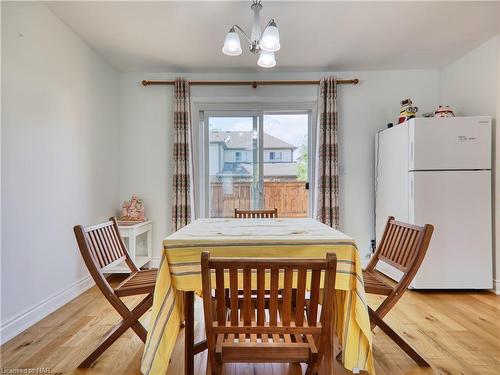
x=307 y=185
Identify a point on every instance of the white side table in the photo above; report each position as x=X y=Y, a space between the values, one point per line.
x=139 y=256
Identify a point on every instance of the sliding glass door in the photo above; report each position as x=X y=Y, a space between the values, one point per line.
x=256 y=160
x=233 y=173
x=285 y=163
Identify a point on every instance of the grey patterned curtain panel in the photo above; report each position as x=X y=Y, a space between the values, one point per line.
x=182 y=174
x=327 y=197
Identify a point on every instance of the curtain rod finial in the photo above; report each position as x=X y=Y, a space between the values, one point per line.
x=145 y=83
x=355 y=81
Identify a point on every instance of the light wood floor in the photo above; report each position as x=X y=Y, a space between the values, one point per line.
x=458 y=333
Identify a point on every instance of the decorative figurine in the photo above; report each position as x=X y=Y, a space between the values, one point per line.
x=407 y=111
x=133 y=210
x=444 y=111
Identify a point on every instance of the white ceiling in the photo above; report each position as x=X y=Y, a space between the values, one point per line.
x=188 y=36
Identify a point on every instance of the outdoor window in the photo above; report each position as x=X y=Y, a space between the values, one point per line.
x=242 y=172
x=276 y=155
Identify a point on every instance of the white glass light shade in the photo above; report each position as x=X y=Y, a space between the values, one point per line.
x=266 y=59
x=270 y=39
x=232 y=45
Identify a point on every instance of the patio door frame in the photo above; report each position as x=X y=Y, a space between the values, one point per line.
x=257 y=188
x=202 y=111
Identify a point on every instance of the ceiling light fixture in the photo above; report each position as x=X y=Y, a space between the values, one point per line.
x=264 y=43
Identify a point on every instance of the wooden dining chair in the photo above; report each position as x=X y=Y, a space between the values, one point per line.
x=102 y=247
x=255 y=214
x=267 y=329
x=402 y=246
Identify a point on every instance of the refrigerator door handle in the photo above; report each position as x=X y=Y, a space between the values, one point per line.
x=411 y=189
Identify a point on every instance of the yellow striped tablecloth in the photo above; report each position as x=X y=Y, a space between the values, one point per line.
x=301 y=238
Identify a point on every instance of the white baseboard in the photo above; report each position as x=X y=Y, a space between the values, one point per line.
x=496 y=287
x=34 y=314
x=154 y=262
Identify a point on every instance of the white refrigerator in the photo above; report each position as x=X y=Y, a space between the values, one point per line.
x=438 y=171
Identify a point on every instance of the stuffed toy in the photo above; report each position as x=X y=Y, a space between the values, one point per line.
x=133 y=210
x=444 y=111
x=407 y=111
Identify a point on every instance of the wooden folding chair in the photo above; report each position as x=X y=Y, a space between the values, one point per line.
x=268 y=328
x=102 y=247
x=403 y=246
x=255 y=214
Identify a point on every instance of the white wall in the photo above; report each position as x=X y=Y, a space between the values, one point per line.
x=146 y=122
x=59 y=159
x=468 y=84
x=471 y=85
x=146 y=131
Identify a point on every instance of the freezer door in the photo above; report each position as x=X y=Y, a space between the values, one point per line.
x=458 y=204
x=450 y=143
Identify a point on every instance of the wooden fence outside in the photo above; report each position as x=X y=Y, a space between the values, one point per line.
x=289 y=197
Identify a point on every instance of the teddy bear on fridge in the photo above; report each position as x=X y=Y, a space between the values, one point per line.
x=444 y=111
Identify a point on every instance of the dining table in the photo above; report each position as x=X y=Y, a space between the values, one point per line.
x=179 y=281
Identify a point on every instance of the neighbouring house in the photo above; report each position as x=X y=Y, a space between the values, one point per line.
x=232 y=154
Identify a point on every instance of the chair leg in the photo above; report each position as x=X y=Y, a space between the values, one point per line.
x=327 y=365
x=136 y=313
x=218 y=370
x=397 y=339
x=110 y=338
x=140 y=331
x=130 y=321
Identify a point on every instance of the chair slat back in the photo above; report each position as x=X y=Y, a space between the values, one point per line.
x=247 y=315
x=255 y=214
x=403 y=244
x=103 y=244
